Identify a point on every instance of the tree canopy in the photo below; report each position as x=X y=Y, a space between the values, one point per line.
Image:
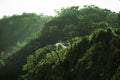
x=84 y=59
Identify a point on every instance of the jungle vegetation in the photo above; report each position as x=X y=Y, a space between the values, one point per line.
x=28 y=51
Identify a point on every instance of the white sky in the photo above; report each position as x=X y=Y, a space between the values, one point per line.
x=10 y=7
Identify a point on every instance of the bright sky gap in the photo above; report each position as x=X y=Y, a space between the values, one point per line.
x=47 y=7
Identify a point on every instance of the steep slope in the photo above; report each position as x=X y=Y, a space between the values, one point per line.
x=70 y=22
x=95 y=57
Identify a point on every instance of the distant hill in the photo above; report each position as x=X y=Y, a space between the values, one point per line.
x=18 y=28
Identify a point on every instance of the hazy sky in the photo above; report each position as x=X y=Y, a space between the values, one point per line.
x=10 y=7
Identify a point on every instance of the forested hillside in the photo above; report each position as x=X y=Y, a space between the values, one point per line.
x=18 y=28
x=93 y=35
x=96 y=56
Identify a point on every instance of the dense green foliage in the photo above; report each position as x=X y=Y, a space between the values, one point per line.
x=72 y=21
x=84 y=59
x=18 y=28
x=93 y=57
